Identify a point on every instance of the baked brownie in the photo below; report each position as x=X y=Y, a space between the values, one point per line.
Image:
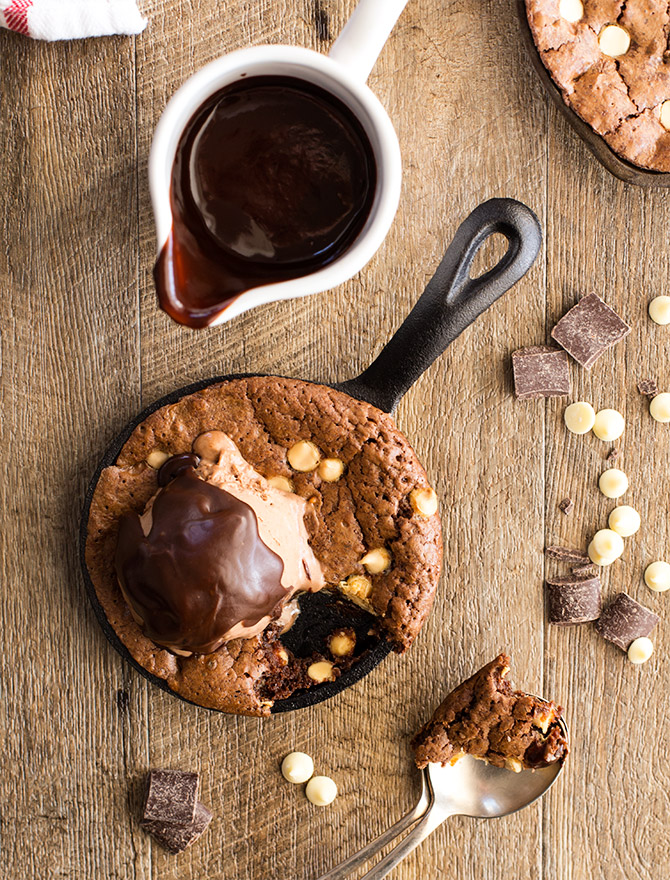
x=485 y=718
x=611 y=60
x=373 y=527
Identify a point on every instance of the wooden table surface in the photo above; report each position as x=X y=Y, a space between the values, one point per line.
x=84 y=347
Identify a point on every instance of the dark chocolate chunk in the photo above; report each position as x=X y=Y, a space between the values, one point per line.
x=540 y=371
x=584 y=569
x=573 y=600
x=625 y=620
x=588 y=329
x=648 y=387
x=566 y=505
x=567 y=554
x=176 y=838
x=171 y=797
x=613 y=455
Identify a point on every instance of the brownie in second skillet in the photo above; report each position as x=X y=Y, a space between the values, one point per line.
x=374 y=505
x=624 y=97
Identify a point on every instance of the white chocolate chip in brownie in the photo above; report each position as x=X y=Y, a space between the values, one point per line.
x=376 y=561
x=341 y=644
x=571 y=10
x=659 y=307
x=657 y=576
x=513 y=764
x=331 y=469
x=614 y=41
x=321 y=790
x=659 y=407
x=609 y=425
x=320 y=671
x=423 y=501
x=282 y=483
x=358 y=588
x=613 y=483
x=304 y=456
x=157 y=458
x=640 y=650
x=297 y=767
x=624 y=520
x=579 y=417
x=665 y=115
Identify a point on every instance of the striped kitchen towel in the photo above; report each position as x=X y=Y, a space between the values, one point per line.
x=71 y=19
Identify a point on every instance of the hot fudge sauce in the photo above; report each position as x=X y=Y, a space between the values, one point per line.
x=273 y=179
x=193 y=566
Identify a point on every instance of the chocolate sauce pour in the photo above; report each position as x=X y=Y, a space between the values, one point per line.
x=273 y=179
x=201 y=569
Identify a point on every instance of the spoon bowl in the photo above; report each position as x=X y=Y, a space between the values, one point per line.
x=469 y=787
x=474 y=788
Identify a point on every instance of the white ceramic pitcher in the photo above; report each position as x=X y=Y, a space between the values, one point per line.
x=343 y=73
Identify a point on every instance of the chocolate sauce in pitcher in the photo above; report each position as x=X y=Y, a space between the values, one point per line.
x=273 y=179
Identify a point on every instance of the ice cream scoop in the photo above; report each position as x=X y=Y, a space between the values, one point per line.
x=217 y=553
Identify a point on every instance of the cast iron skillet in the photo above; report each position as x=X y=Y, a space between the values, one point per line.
x=617 y=166
x=451 y=301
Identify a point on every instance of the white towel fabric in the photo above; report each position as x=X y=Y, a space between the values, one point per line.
x=71 y=19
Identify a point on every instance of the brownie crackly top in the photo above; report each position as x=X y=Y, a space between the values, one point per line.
x=611 y=60
x=486 y=718
x=373 y=512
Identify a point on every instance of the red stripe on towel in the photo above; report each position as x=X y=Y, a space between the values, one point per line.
x=16 y=16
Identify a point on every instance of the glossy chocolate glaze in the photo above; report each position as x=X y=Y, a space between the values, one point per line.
x=176 y=465
x=273 y=179
x=200 y=570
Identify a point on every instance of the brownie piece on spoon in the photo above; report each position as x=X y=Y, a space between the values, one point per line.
x=484 y=717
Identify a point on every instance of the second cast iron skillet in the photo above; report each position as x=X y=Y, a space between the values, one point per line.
x=615 y=164
x=450 y=303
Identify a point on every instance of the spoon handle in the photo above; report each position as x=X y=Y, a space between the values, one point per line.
x=348 y=866
x=432 y=819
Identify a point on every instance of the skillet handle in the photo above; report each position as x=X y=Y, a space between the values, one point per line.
x=451 y=301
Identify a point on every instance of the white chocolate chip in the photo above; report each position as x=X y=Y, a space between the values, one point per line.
x=282 y=483
x=614 y=41
x=657 y=576
x=609 y=425
x=607 y=546
x=571 y=10
x=659 y=308
x=624 y=520
x=320 y=671
x=297 y=767
x=423 y=501
x=341 y=644
x=659 y=407
x=321 y=790
x=640 y=650
x=376 y=561
x=579 y=417
x=303 y=456
x=613 y=483
x=331 y=469
x=358 y=588
x=596 y=558
x=513 y=764
x=665 y=115
x=157 y=458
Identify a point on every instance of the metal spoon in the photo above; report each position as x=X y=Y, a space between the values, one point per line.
x=469 y=787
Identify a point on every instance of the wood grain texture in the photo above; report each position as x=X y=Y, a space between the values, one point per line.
x=84 y=347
